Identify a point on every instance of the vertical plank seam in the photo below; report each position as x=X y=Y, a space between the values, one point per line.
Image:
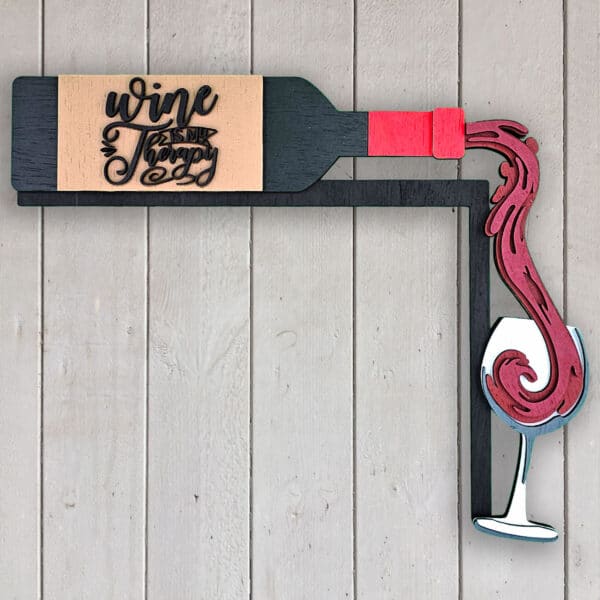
x=459 y=323
x=147 y=348
x=41 y=254
x=564 y=292
x=251 y=350
x=353 y=453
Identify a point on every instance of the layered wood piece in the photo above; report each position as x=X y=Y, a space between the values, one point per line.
x=202 y=132
x=34 y=133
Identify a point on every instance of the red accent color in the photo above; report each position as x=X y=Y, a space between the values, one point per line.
x=401 y=133
x=448 y=133
x=506 y=222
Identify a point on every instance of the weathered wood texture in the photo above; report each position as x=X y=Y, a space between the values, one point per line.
x=302 y=342
x=312 y=470
x=582 y=162
x=406 y=315
x=199 y=348
x=502 y=45
x=20 y=346
x=94 y=268
x=272 y=133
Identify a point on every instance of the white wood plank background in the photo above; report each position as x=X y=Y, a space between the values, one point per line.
x=20 y=323
x=406 y=318
x=208 y=403
x=199 y=349
x=302 y=339
x=94 y=340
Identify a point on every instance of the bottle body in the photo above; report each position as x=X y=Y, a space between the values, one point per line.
x=303 y=134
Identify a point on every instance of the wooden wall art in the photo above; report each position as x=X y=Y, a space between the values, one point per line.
x=226 y=140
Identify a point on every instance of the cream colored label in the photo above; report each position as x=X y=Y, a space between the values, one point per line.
x=160 y=133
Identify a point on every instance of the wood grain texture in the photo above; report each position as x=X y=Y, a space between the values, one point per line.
x=302 y=345
x=504 y=44
x=199 y=355
x=383 y=193
x=94 y=348
x=327 y=192
x=290 y=128
x=34 y=123
x=406 y=324
x=20 y=311
x=406 y=405
x=198 y=404
x=582 y=307
x=303 y=134
x=406 y=58
x=231 y=106
x=302 y=468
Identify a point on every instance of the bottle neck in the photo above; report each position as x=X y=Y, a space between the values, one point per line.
x=439 y=133
x=348 y=132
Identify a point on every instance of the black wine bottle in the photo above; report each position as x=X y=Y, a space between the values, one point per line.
x=202 y=133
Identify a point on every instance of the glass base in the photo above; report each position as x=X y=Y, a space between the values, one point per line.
x=526 y=530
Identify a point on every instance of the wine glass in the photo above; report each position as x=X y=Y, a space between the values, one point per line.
x=514 y=522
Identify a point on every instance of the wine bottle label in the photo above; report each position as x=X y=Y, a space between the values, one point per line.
x=160 y=133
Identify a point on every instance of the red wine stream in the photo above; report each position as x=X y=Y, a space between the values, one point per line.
x=512 y=201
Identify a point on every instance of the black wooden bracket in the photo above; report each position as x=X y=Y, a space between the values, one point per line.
x=473 y=195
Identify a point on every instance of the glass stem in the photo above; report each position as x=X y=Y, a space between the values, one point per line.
x=517 y=505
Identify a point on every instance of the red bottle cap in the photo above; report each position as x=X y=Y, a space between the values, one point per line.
x=440 y=133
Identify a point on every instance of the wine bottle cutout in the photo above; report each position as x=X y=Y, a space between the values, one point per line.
x=202 y=133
